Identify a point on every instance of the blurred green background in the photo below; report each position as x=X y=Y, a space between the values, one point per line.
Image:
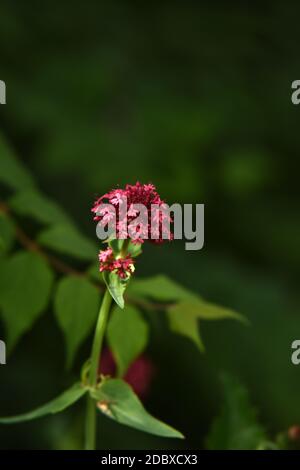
x=194 y=97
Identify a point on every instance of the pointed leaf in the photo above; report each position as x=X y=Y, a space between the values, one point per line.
x=185 y=323
x=76 y=307
x=127 y=335
x=116 y=287
x=160 y=288
x=63 y=401
x=117 y=400
x=67 y=239
x=25 y=285
x=13 y=173
x=34 y=204
x=206 y=310
x=183 y=317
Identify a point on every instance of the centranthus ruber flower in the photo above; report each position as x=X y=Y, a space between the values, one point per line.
x=123 y=267
x=139 y=214
x=121 y=204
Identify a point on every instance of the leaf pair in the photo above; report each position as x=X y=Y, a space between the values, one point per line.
x=115 y=399
x=76 y=307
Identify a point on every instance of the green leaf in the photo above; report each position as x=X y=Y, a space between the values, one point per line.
x=7 y=233
x=76 y=306
x=185 y=323
x=13 y=173
x=206 y=310
x=127 y=335
x=68 y=240
x=63 y=401
x=117 y=400
x=236 y=428
x=159 y=288
x=183 y=317
x=116 y=287
x=33 y=204
x=25 y=285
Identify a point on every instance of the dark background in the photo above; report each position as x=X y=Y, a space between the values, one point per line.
x=194 y=97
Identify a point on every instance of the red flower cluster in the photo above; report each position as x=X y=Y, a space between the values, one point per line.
x=294 y=433
x=122 y=266
x=139 y=374
x=155 y=223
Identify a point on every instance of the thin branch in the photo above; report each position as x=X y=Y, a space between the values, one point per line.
x=32 y=245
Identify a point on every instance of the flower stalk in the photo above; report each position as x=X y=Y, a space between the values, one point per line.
x=91 y=422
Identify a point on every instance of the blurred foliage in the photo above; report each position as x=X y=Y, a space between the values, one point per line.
x=196 y=99
x=237 y=427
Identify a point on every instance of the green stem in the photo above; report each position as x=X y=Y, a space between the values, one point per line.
x=93 y=374
x=90 y=424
